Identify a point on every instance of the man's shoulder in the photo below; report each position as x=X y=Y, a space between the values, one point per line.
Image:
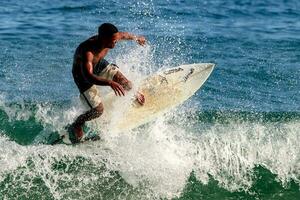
x=83 y=49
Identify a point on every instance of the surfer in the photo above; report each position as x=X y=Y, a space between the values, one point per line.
x=91 y=69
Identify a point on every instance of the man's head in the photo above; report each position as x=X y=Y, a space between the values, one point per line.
x=107 y=35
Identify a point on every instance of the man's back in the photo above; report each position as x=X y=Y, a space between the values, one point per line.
x=79 y=60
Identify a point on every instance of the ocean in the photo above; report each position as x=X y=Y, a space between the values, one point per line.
x=236 y=138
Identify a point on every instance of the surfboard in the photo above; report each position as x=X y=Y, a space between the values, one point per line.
x=162 y=90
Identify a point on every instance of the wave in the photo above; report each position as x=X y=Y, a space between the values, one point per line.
x=22 y=122
x=187 y=151
x=25 y=121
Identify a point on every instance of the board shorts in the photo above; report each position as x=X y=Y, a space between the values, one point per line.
x=91 y=97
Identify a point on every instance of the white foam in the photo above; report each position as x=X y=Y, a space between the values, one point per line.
x=161 y=156
x=13 y=111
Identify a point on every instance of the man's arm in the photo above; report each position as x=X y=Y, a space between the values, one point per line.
x=129 y=36
x=88 y=71
x=89 y=75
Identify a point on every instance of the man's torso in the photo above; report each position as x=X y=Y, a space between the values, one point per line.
x=79 y=61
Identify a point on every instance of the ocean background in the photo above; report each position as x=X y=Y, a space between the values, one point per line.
x=236 y=138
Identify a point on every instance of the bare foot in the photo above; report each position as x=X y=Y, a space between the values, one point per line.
x=76 y=133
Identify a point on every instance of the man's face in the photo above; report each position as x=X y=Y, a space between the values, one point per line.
x=110 y=42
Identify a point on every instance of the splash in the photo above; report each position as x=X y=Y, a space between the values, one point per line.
x=154 y=161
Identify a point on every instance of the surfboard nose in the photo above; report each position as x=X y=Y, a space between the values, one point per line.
x=205 y=67
x=210 y=66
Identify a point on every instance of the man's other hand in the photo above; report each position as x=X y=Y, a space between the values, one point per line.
x=141 y=40
x=117 y=88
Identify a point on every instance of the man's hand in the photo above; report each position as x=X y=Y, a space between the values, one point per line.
x=140 y=40
x=129 y=36
x=140 y=98
x=117 y=88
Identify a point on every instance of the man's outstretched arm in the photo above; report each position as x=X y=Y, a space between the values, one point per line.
x=129 y=36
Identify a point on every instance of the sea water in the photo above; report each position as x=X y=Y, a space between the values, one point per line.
x=236 y=138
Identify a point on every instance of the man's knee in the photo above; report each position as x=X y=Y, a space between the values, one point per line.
x=122 y=80
x=128 y=85
x=99 y=110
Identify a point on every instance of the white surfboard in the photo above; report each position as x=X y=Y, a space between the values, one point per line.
x=163 y=91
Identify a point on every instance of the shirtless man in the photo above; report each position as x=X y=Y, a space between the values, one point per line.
x=91 y=69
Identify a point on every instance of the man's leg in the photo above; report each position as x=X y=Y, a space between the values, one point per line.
x=127 y=85
x=89 y=115
x=122 y=80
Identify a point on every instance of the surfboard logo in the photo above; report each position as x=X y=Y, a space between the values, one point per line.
x=163 y=79
x=173 y=71
x=186 y=77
